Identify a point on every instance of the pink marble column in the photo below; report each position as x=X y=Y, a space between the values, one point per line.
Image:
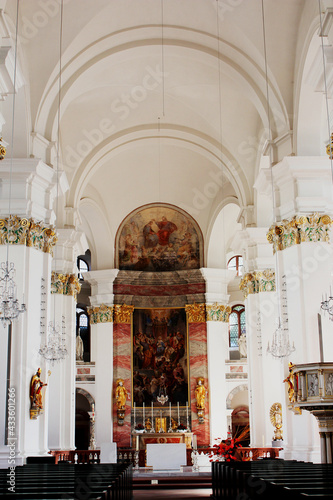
x=122 y=370
x=197 y=332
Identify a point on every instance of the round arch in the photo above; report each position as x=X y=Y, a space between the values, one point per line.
x=233 y=392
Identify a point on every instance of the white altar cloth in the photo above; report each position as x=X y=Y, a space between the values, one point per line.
x=166 y=456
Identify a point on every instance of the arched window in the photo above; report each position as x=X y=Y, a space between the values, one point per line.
x=236 y=324
x=82 y=267
x=236 y=264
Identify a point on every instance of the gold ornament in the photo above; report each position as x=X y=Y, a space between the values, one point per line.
x=275 y=414
x=196 y=313
x=123 y=313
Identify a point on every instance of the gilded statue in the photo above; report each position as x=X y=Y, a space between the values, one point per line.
x=36 y=395
x=276 y=420
x=291 y=381
x=200 y=393
x=121 y=394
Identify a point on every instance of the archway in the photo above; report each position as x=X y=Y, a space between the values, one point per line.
x=84 y=402
x=240 y=423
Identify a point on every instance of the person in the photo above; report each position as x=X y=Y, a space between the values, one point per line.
x=121 y=394
x=36 y=396
x=200 y=393
x=150 y=237
x=165 y=228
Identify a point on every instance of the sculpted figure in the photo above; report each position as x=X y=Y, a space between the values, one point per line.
x=121 y=394
x=36 y=396
x=200 y=393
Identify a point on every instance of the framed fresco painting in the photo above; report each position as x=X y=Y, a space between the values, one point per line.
x=160 y=357
x=159 y=237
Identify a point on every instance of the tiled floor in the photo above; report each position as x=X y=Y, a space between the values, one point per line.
x=174 y=494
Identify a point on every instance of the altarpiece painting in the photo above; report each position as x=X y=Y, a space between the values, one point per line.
x=160 y=357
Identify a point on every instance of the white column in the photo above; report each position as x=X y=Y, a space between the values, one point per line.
x=33 y=187
x=61 y=433
x=102 y=352
x=217 y=350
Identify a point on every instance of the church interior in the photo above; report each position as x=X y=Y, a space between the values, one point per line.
x=166 y=175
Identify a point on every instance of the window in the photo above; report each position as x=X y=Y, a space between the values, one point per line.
x=82 y=266
x=236 y=324
x=236 y=264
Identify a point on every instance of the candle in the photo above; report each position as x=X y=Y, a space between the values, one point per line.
x=137 y=443
x=194 y=442
x=178 y=411
x=143 y=413
x=161 y=420
x=134 y=413
x=186 y=410
x=152 y=410
x=170 y=411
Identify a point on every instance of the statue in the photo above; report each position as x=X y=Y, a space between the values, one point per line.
x=148 y=425
x=200 y=393
x=36 y=396
x=242 y=346
x=291 y=384
x=79 y=348
x=121 y=394
x=276 y=420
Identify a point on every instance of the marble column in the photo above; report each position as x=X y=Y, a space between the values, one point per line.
x=197 y=338
x=102 y=350
x=122 y=345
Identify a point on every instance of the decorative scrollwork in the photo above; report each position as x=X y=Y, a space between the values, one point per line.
x=305 y=228
x=100 y=314
x=123 y=313
x=65 y=284
x=196 y=313
x=218 y=312
x=21 y=231
x=258 y=281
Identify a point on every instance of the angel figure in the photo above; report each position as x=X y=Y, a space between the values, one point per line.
x=121 y=394
x=276 y=420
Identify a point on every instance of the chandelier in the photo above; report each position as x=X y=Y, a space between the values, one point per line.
x=280 y=347
x=9 y=305
x=55 y=344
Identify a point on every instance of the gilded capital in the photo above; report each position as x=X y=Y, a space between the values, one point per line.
x=20 y=231
x=304 y=228
x=218 y=312
x=258 y=281
x=123 y=313
x=100 y=314
x=196 y=313
x=65 y=284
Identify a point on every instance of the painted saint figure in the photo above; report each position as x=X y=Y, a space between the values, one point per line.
x=165 y=228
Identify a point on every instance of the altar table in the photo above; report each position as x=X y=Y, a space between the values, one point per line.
x=142 y=439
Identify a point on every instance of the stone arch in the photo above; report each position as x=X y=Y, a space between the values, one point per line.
x=233 y=392
x=87 y=395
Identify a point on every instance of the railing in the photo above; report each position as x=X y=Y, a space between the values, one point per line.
x=247 y=453
x=76 y=456
x=128 y=455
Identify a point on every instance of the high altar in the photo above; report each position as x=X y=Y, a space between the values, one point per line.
x=142 y=439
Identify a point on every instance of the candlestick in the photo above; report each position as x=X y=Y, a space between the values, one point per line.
x=134 y=422
x=178 y=412
x=143 y=416
x=170 y=420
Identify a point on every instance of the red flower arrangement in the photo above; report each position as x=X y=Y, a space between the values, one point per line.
x=228 y=448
